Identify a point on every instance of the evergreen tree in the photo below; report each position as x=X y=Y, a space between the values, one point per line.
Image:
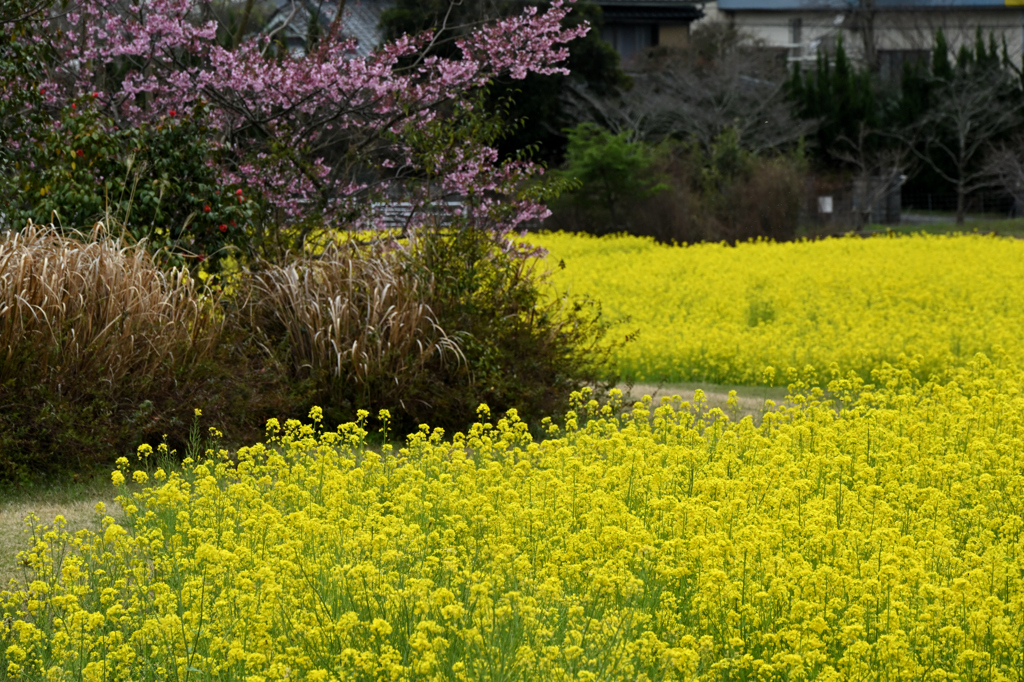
x=941 y=68
x=838 y=95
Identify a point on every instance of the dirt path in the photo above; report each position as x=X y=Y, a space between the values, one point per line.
x=751 y=398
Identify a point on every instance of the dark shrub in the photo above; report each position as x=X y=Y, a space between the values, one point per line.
x=525 y=347
x=726 y=195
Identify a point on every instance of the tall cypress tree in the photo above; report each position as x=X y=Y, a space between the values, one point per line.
x=839 y=95
x=941 y=67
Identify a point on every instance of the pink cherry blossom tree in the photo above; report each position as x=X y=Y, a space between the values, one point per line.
x=318 y=140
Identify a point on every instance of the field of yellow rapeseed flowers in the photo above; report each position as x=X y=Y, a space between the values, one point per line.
x=721 y=314
x=864 y=532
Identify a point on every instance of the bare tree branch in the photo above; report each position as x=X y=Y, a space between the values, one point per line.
x=1005 y=165
x=971 y=113
x=881 y=162
x=698 y=99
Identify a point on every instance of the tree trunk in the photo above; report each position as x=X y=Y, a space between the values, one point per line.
x=242 y=24
x=332 y=33
x=960 y=203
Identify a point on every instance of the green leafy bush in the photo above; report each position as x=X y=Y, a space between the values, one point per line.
x=526 y=346
x=427 y=331
x=157 y=182
x=682 y=194
x=613 y=174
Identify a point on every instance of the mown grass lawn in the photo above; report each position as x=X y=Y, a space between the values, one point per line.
x=75 y=500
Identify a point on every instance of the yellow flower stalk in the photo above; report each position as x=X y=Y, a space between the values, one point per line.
x=867 y=531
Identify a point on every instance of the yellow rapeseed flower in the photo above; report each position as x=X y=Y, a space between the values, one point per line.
x=721 y=314
x=860 y=531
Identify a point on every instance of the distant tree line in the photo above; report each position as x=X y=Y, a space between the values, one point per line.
x=947 y=124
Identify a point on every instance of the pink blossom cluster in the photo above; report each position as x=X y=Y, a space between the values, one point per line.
x=306 y=133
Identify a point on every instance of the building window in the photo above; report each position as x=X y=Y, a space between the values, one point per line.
x=629 y=39
x=796 y=31
x=796 y=39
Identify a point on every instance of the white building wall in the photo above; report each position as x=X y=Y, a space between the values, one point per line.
x=893 y=30
x=909 y=31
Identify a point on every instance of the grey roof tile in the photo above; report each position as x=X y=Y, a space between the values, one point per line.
x=360 y=21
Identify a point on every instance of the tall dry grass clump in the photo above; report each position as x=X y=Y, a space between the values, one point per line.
x=92 y=335
x=359 y=326
x=95 y=309
x=101 y=350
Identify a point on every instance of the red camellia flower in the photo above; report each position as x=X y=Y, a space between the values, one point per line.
x=206 y=208
x=74 y=106
x=80 y=153
x=172 y=112
x=223 y=227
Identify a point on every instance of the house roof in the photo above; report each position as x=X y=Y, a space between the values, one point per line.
x=360 y=21
x=841 y=5
x=654 y=11
x=362 y=17
x=644 y=3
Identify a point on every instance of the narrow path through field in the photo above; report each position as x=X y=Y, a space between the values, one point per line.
x=751 y=399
